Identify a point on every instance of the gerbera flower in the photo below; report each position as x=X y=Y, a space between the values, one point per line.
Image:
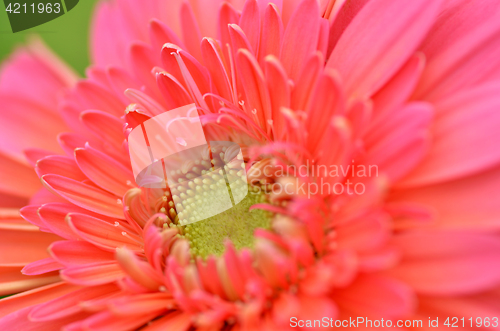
x=406 y=88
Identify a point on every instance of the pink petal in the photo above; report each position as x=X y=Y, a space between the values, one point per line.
x=227 y=15
x=256 y=93
x=69 y=141
x=272 y=33
x=30 y=214
x=161 y=34
x=138 y=270
x=11 y=219
x=190 y=30
x=19 y=320
x=400 y=143
x=206 y=11
x=379 y=40
x=364 y=233
x=103 y=234
x=174 y=93
x=174 y=321
x=169 y=63
x=313 y=308
x=120 y=80
x=16 y=178
x=143 y=61
x=306 y=81
x=94 y=96
x=466 y=203
x=27 y=125
x=382 y=297
x=59 y=165
x=17 y=253
x=85 y=196
x=36 y=74
x=300 y=38
x=238 y=39
x=471 y=60
x=346 y=11
x=212 y=58
x=462 y=132
x=35 y=154
x=107 y=321
x=105 y=126
x=42 y=266
x=446 y=30
x=12 y=281
x=397 y=91
x=104 y=171
x=93 y=274
x=44 y=196
x=77 y=252
x=69 y=304
x=326 y=100
x=279 y=93
x=53 y=217
x=35 y=296
x=447 y=262
x=250 y=23
x=141 y=303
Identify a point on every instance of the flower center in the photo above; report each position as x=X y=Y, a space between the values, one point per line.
x=208 y=204
x=238 y=224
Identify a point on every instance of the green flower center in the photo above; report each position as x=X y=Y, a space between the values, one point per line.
x=238 y=224
x=212 y=202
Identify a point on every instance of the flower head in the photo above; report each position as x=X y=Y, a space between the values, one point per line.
x=365 y=128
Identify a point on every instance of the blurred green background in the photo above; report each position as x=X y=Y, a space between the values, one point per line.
x=66 y=35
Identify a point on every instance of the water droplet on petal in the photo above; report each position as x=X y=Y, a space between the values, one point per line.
x=117 y=224
x=254 y=111
x=124 y=233
x=181 y=141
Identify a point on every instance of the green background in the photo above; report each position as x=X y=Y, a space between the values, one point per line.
x=68 y=35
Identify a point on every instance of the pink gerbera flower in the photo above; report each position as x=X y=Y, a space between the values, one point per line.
x=407 y=88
